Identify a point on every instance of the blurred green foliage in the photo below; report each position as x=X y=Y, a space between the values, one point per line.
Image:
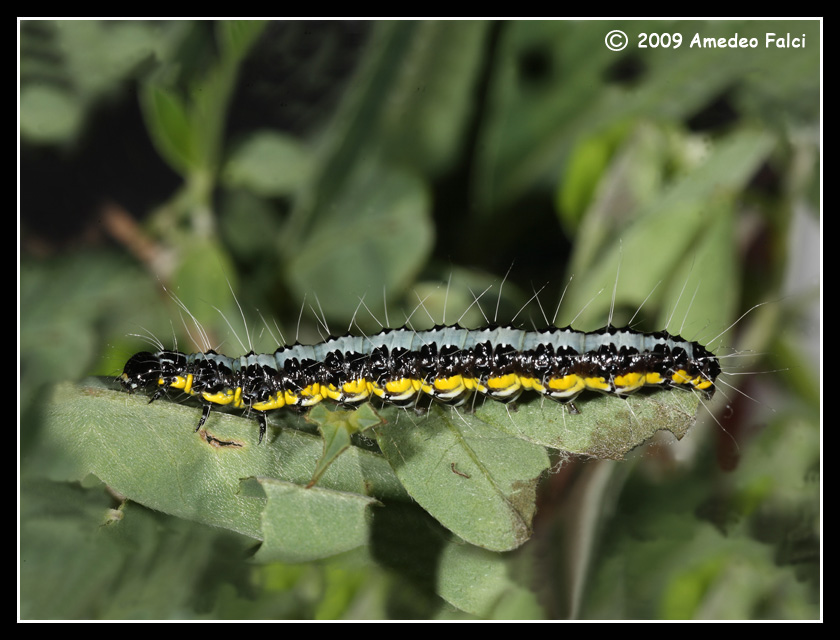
x=395 y=156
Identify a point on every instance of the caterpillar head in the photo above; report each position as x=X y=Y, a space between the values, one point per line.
x=145 y=370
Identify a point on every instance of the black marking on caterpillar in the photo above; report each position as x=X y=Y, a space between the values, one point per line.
x=447 y=364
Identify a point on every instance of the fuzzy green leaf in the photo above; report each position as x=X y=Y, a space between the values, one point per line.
x=302 y=524
x=476 y=480
x=336 y=428
x=149 y=453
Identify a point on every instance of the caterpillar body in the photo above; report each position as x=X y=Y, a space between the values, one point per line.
x=446 y=364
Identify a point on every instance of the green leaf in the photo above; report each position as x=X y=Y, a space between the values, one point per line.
x=303 y=524
x=605 y=427
x=149 y=453
x=476 y=480
x=378 y=233
x=476 y=473
x=49 y=114
x=586 y=167
x=663 y=239
x=537 y=112
x=205 y=279
x=708 y=543
x=269 y=163
x=237 y=36
x=426 y=109
x=109 y=296
x=477 y=581
x=187 y=127
x=71 y=69
x=81 y=558
x=53 y=583
x=336 y=429
x=169 y=126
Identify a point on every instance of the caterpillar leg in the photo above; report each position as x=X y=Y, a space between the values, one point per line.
x=263 y=425
x=205 y=413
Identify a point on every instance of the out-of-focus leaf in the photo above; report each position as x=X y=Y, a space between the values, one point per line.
x=68 y=66
x=269 y=164
x=744 y=544
x=664 y=239
x=585 y=170
x=169 y=126
x=237 y=36
x=426 y=110
x=75 y=312
x=552 y=87
x=378 y=233
x=477 y=581
x=83 y=558
x=48 y=114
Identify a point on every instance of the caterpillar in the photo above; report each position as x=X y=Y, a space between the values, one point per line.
x=446 y=364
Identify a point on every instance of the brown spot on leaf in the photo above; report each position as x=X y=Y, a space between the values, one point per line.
x=215 y=442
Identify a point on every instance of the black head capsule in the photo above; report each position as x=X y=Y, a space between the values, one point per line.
x=146 y=370
x=141 y=371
